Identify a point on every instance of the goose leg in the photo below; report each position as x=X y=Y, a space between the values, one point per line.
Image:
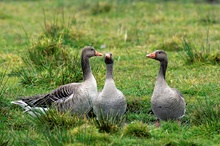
x=179 y=122
x=157 y=123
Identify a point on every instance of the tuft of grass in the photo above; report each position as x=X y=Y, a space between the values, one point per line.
x=50 y=60
x=87 y=134
x=205 y=114
x=173 y=44
x=54 y=119
x=101 y=7
x=109 y=124
x=54 y=57
x=205 y=55
x=137 y=129
x=66 y=30
x=209 y=19
x=48 y=51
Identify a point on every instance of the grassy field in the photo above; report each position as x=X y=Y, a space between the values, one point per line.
x=40 y=43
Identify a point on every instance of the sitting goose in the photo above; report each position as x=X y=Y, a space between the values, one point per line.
x=111 y=103
x=77 y=98
x=167 y=103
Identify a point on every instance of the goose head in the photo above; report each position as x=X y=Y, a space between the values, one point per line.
x=90 y=52
x=108 y=58
x=159 y=55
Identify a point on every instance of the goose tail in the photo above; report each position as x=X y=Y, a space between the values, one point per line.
x=21 y=103
x=33 y=111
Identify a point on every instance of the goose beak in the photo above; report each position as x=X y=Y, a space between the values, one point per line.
x=152 y=55
x=107 y=56
x=98 y=54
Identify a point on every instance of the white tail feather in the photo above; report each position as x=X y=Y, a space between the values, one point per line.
x=36 y=111
x=21 y=104
x=33 y=111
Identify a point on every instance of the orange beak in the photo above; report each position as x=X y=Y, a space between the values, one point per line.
x=98 y=54
x=152 y=55
x=108 y=56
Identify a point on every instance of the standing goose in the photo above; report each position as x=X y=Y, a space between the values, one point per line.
x=77 y=98
x=167 y=103
x=111 y=103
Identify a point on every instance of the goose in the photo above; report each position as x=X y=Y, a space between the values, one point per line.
x=111 y=103
x=76 y=98
x=166 y=103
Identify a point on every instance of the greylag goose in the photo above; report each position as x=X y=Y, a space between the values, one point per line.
x=111 y=103
x=167 y=103
x=77 y=98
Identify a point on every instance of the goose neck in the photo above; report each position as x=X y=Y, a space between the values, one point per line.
x=160 y=81
x=163 y=68
x=87 y=72
x=109 y=71
x=109 y=82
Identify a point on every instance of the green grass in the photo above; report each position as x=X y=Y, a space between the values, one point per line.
x=55 y=31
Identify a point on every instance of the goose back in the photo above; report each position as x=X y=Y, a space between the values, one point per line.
x=77 y=98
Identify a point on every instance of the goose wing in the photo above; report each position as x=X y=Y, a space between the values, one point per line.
x=63 y=92
x=180 y=96
x=178 y=93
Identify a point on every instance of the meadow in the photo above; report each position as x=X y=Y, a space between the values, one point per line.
x=40 y=46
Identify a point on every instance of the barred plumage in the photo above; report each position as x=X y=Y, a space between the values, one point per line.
x=73 y=97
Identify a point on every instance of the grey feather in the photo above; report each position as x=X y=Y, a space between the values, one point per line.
x=111 y=103
x=74 y=97
x=167 y=103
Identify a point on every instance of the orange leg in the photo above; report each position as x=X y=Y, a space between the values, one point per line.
x=179 y=121
x=157 y=123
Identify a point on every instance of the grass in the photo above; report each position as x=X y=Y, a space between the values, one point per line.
x=206 y=54
x=137 y=129
x=40 y=50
